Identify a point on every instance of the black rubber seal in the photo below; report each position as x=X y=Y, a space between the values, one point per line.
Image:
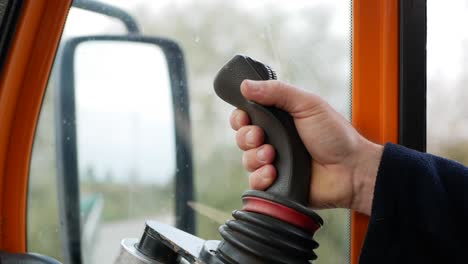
x=412 y=71
x=10 y=11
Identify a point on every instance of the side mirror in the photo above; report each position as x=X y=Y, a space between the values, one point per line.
x=123 y=141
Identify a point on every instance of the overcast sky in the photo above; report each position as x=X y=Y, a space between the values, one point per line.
x=124 y=111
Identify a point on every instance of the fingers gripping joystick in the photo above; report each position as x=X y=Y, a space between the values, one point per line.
x=274 y=226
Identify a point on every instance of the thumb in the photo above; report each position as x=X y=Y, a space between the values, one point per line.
x=281 y=95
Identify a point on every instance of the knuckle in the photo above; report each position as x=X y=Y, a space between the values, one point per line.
x=257 y=131
x=233 y=122
x=248 y=162
x=240 y=137
x=244 y=161
x=279 y=86
x=239 y=119
x=240 y=141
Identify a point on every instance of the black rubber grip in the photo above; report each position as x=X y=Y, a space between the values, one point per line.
x=292 y=162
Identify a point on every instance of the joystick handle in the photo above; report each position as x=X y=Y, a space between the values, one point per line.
x=292 y=162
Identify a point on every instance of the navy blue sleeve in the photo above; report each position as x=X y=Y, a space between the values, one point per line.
x=419 y=211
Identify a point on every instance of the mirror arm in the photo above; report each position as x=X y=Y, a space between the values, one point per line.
x=109 y=10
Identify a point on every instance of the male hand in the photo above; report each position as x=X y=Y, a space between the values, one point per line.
x=344 y=165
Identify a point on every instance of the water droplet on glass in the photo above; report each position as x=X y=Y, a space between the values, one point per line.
x=196 y=39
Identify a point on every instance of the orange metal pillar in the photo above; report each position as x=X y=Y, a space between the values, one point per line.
x=22 y=86
x=375 y=85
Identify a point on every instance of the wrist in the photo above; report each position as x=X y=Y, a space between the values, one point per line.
x=364 y=176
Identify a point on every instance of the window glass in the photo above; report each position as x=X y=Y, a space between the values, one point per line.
x=308 y=43
x=447 y=75
x=43 y=214
x=125 y=142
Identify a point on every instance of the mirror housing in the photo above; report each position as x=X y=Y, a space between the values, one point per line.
x=66 y=144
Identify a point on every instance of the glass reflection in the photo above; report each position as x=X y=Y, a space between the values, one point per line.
x=125 y=142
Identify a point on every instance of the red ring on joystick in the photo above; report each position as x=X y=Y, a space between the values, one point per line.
x=279 y=211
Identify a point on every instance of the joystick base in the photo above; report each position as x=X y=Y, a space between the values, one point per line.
x=256 y=238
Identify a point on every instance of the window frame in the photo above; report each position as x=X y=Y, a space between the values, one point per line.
x=389 y=81
x=22 y=86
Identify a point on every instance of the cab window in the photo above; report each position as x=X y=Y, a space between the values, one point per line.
x=447 y=68
x=126 y=155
